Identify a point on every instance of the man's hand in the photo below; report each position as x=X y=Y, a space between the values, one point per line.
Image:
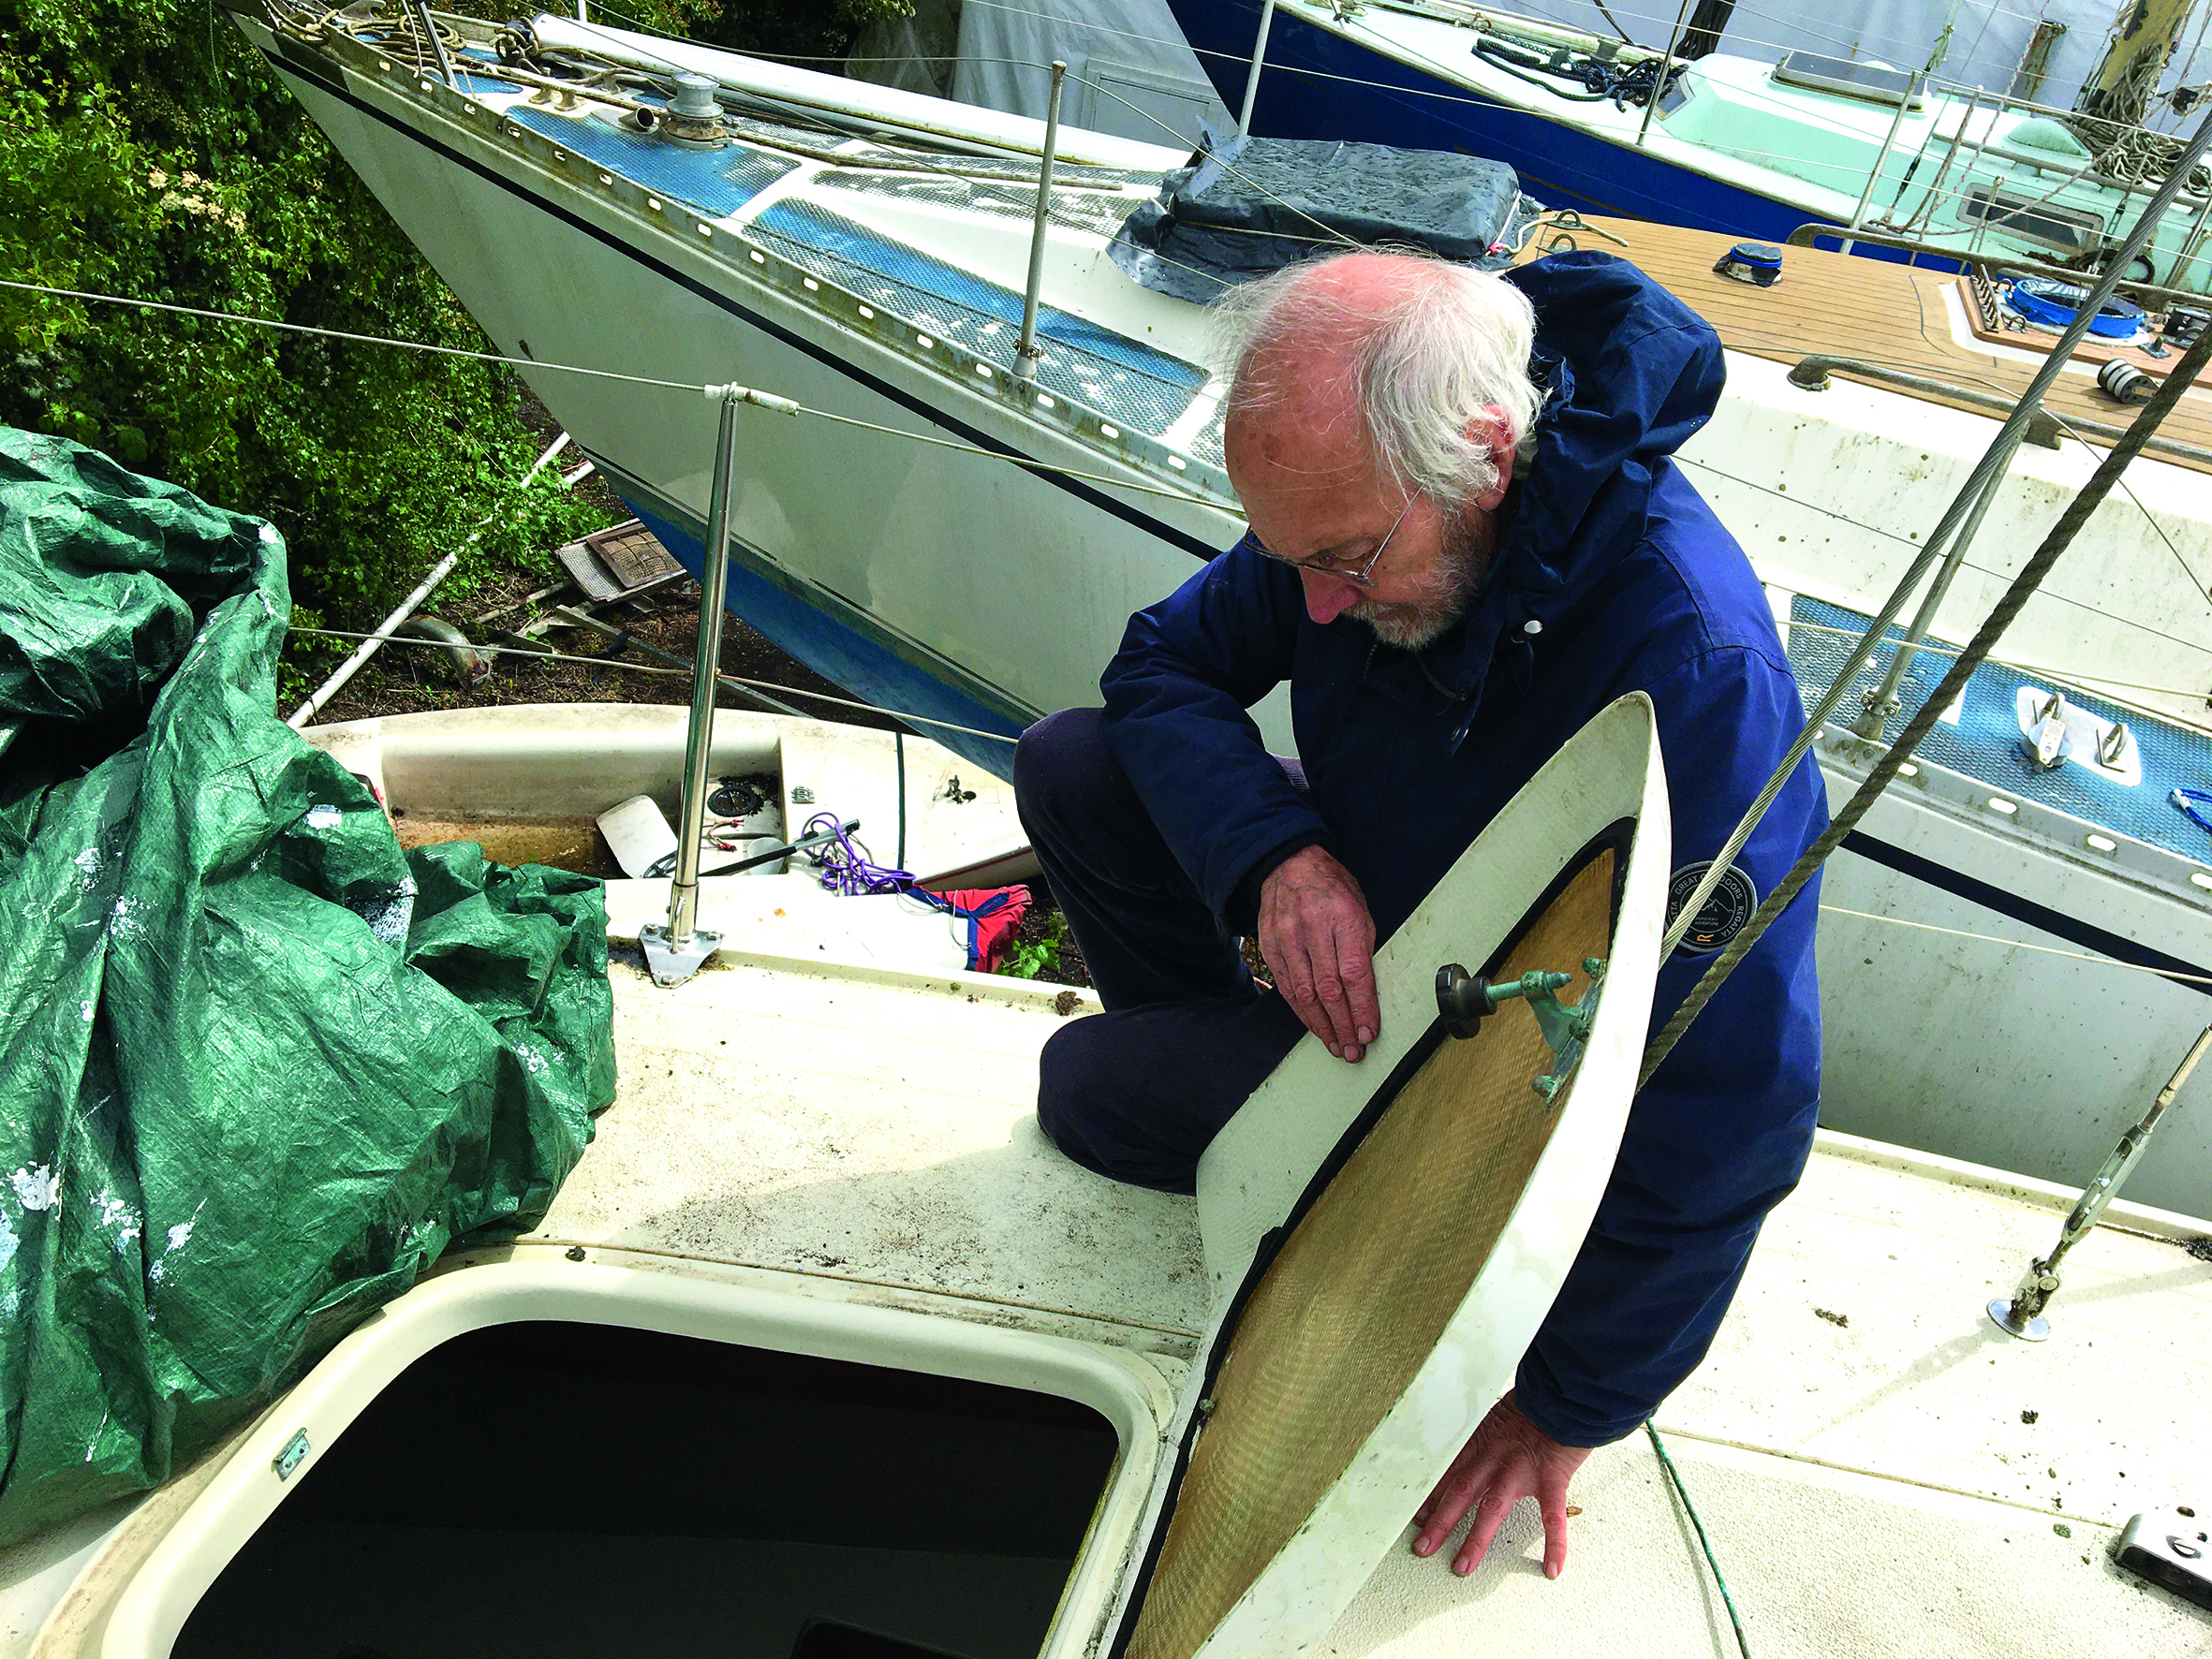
x=1507 y=1459
x=1318 y=938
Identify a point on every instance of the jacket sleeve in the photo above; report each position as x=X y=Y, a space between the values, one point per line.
x=1177 y=694
x=1721 y=1133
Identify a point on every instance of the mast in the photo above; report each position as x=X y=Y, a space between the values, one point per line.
x=2143 y=36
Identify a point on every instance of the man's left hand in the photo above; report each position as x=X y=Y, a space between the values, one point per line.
x=1506 y=1459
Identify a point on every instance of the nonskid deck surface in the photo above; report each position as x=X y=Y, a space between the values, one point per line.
x=1857 y=1442
x=880 y=1131
x=1880 y=1470
x=1985 y=741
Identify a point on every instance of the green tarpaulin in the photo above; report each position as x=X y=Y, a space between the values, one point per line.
x=258 y=1066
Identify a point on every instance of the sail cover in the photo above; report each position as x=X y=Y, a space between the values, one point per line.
x=258 y=1066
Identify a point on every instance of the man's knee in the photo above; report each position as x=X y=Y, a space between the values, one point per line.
x=1082 y=1105
x=1059 y=761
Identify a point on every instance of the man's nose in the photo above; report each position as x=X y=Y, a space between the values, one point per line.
x=1326 y=596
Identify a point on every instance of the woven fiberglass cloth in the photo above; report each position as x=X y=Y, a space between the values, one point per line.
x=1354 y=1303
x=258 y=1066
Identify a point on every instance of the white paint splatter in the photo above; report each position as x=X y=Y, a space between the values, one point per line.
x=268 y=534
x=323 y=817
x=180 y=1234
x=88 y=865
x=85 y=1010
x=6 y=1243
x=117 y=1213
x=388 y=919
x=126 y=920
x=37 y=1187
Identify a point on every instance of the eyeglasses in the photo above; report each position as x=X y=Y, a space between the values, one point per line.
x=1363 y=577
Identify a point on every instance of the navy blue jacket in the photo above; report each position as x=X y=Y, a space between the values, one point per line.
x=1611 y=576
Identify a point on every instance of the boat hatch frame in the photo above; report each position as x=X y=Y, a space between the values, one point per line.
x=694 y=1298
x=1992 y=206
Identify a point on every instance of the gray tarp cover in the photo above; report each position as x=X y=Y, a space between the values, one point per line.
x=1269 y=203
x=258 y=1066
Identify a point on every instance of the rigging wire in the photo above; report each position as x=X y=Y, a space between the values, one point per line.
x=779 y=404
x=1877 y=779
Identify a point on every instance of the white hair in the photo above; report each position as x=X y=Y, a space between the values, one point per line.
x=1425 y=364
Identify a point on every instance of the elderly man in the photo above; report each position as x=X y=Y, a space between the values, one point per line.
x=1466 y=537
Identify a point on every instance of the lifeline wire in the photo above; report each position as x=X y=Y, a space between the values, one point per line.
x=2061 y=537
x=607 y=661
x=2079 y=956
x=1691 y=1509
x=746 y=394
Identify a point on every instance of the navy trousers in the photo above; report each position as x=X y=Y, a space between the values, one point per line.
x=1137 y=1091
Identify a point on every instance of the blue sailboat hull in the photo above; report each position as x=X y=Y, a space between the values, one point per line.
x=1317 y=86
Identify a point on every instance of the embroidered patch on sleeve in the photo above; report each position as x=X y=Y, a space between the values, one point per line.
x=1723 y=916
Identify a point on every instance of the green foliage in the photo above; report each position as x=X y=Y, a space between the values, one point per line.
x=145 y=150
x=1041 y=958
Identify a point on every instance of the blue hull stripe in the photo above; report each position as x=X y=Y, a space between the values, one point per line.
x=1384 y=102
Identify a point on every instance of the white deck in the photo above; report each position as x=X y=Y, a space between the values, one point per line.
x=1870 y=1488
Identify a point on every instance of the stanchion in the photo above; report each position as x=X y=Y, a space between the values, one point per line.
x=677 y=950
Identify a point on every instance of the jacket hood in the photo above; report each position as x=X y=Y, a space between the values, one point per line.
x=1628 y=374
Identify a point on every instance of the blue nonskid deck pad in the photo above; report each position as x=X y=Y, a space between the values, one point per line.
x=1986 y=744
x=1122 y=379
x=716 y=181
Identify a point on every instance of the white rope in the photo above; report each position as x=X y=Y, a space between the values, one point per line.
x=607 y=661
x=767 y=400
x=2079 y=956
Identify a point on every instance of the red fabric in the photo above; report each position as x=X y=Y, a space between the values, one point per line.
x=994 y=913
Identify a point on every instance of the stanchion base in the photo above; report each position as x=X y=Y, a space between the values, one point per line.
x=669 y=963
x=2036 y=1331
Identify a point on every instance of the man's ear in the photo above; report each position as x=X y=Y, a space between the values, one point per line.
x=1493 y=429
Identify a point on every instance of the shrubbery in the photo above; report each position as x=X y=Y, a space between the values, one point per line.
x=145 y=150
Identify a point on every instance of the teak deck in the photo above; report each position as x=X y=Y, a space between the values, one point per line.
x=1834 y=304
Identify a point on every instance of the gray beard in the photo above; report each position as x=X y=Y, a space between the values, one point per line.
x=1445 y=593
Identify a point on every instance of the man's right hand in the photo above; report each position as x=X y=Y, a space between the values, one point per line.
x=1318 y=940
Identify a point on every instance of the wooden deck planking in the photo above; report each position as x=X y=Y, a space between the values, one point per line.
x=1840 y=305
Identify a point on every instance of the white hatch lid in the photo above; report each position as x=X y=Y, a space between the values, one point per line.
x=1387 y=1238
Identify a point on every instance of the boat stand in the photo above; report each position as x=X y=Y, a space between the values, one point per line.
x=2023 y=1315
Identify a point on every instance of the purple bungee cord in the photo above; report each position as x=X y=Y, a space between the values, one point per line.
x=847 y=868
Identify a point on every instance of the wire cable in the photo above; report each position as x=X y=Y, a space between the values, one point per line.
x=1691 y=1509
x=1877 y=779
x=779 y=404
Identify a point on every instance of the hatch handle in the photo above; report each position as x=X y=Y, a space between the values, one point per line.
x=1464 y=1000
